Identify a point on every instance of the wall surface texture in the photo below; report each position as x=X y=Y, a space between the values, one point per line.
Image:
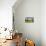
x=29 y=8
x=36 y=30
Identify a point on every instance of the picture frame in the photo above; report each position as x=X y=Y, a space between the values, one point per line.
x=29 y=19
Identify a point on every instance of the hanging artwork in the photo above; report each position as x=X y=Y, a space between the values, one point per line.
x=29 y=19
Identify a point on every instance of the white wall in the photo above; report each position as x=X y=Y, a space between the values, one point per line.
x=29 y=8
x=43 y=22
x=6 y=13
x=6 y=18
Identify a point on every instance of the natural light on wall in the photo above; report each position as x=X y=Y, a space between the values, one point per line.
x=6 y=13
x=5 y=18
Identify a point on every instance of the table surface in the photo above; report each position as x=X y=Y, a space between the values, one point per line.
x=8 y=43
